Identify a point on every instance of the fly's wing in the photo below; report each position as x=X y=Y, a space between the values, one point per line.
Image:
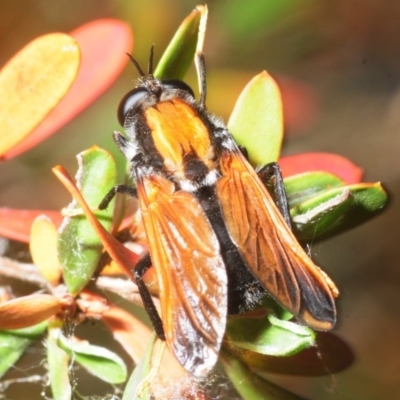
x=269 y=248
x=191 y=274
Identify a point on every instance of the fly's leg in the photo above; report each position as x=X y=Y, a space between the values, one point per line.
x=271 y=177
x=124 y=189
x=274 y=186
x=140 y=269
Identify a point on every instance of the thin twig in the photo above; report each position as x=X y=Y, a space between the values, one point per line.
x=27 y=379
x=29 y=273
x=124 y=288
x=21 y=271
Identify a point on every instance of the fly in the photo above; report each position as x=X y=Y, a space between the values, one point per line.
x=217 y=240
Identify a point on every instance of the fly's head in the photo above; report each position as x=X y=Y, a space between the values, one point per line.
x=148 y=93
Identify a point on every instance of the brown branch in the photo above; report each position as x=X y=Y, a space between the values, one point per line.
x=22 y=271
x=124 y=288
x=29 y=273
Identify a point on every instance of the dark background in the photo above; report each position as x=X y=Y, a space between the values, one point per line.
x=339 y=64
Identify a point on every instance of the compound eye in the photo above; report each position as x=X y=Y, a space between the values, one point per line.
x=177 y=85
x=129 y=101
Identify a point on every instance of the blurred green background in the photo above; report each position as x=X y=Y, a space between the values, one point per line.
x=339 y=67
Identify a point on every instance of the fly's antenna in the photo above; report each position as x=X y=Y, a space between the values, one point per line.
x=150 y=63
x=137 y=66
x=147 y=81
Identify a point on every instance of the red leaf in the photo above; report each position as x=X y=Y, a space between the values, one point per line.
x=103 y=45
x=16 y=224
x=333 y=163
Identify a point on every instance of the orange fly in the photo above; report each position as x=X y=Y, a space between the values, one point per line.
x=216 y=238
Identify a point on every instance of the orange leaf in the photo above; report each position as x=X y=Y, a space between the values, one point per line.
x=333 y=163
x=103 y=46
x=16 y=224
x=125 y=258
x=130 y=332
x=29 y=310
x=32 y=83
x=111 y=269
x=43 y=247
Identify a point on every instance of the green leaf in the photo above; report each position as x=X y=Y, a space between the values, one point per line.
x=13 y=343
x=99 y=361
x=179 y=54
x=256 y=122
x=330 y=355
x=135 y=388
x=302 y=187
x=30 y=332
x=251 y=386
x=268 y=335
x=336 y=210
x=58 y=365
x=79 y=247
x=268 y=303
x=11 y=349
